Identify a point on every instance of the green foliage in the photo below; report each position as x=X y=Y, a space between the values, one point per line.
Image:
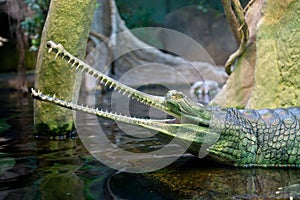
x=134 y=16
x=4 y=126
x=33 y=25
x=98 y=5
x=204 y=5
x=6 y=162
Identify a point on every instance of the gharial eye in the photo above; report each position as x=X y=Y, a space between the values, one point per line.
x=173 y=94
x=178 y=95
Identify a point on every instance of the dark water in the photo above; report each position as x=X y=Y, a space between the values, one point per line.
x=40 y=169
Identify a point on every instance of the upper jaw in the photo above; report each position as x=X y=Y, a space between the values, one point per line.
x=147 y=99
x=190 y=111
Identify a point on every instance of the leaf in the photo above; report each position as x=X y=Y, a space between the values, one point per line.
x=6 y=163
x=4 y=126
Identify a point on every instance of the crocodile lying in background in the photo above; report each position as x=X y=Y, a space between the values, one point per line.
x=245 y=138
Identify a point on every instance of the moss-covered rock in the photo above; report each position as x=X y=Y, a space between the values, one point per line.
x=68 y=22
x=238 y=87
x=267 y=74
x=277 y=70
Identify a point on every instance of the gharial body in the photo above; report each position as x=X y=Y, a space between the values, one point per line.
x=246 y=138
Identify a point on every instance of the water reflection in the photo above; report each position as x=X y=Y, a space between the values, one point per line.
x=40 y=169
x=204 y=179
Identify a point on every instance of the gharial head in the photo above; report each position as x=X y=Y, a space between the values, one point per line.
x=181 y=107
x=193 y=118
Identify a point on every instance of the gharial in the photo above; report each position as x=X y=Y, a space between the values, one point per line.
x=245 y=138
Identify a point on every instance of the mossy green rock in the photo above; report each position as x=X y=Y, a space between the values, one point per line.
x=267 y=75
x=277 y=70
x=68 y=22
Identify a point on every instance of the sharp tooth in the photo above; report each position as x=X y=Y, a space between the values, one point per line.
x=50 y=49
x=117 y=89
x=78 y=66
x=111 y=85
x=101 y=80
x=56 y=55
x=120 y=91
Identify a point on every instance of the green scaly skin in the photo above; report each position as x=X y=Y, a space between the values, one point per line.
x=246 y=138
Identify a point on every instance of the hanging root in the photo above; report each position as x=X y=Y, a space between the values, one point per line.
x=236 y=18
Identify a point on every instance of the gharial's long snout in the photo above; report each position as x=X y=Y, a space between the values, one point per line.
x=174 y=103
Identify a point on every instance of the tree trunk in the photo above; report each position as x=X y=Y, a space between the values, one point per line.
x=68 y=22
x=267 y=73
